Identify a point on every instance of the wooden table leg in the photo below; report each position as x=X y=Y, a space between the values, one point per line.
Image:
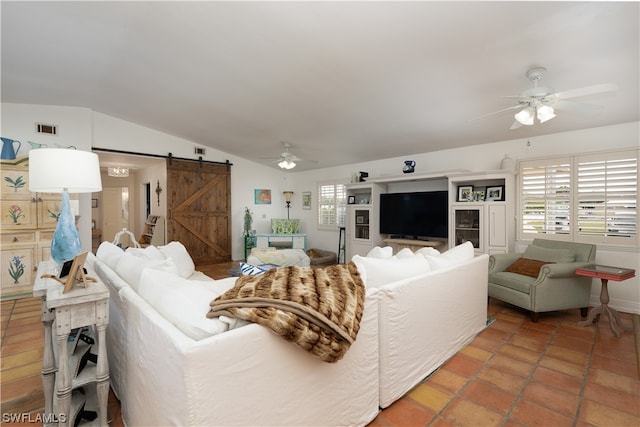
x=48 y=360
x=615 y=323
x=63 y=380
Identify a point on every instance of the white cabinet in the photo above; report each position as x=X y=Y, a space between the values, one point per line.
x=465 y=226
x=26 y=228
x=281 y=241
x=489 y=221
x=497 y=231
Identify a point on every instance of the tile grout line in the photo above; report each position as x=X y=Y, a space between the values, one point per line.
x=583 y=386
x=6 y=329
x=518 y=396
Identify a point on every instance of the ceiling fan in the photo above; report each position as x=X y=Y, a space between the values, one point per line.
x=542 y=102
x=288 y=160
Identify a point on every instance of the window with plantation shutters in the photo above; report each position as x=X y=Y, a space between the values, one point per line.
x=332 y=199
x=607 y=196
x=545 y=196
x=590 y=198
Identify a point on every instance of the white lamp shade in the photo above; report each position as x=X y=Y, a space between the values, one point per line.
x=545 y=113
x=525 y=116
x=54 y=170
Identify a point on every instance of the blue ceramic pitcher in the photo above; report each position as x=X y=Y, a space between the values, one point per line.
x=409 y=166
x=8 y=153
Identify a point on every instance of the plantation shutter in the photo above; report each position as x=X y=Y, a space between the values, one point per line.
x=607 y=197
x=331 y=204
x=545 y=197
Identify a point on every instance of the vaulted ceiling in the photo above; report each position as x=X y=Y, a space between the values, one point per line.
x=342 y=82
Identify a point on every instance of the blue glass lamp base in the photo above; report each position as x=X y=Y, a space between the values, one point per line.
x=65 y=244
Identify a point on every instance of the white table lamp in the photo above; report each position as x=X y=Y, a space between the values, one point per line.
x=62 y=170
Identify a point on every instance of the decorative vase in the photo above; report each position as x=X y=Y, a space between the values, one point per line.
x=507 y=163
x=65 y=244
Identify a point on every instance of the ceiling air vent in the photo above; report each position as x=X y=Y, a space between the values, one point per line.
x=46 y=129
x=199 y=151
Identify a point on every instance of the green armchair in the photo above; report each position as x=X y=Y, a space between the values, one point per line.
x=543 y=277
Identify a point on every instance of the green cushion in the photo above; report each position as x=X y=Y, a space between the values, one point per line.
x=550 y=255
x=513 y=281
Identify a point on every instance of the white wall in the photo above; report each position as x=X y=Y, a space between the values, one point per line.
x=246 y=176
x=85 y=129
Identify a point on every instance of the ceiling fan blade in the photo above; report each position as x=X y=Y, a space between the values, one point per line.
x=588 y=90
x=516 y=124
x=484 y=116
x=576 y=107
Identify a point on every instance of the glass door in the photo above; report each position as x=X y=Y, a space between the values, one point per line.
x=467 y=226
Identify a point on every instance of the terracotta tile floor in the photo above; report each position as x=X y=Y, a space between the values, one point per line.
x=514 y=373
x=520 y=373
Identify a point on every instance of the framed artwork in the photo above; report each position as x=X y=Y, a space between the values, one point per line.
x=72 y=272
x=495 y=193
x=306 y=200
x=94 y=203
x=465 y=192
x=351 y=200
x=262 y=197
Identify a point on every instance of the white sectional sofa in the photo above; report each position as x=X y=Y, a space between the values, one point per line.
x=169 y=368
x=428 y=311
x=246 y=376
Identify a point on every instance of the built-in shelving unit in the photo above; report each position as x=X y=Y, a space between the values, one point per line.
x=488 y=222
x=154 y=231
x=363 y=213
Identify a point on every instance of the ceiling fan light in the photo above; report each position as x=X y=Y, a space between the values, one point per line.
x=545 y=113
x=525 y=116
x=287 y=164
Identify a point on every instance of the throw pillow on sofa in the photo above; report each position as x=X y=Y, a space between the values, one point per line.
x=526 y=267
x=130 y=268
x=183 y=302
x=109 y=254
x=455 y=255
x=150 y=253
x=378 y=252
x=179 y=254
x=377 y=272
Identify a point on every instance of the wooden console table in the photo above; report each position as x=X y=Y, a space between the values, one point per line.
x=61 y=379
x=606 y=273
x=414 y=245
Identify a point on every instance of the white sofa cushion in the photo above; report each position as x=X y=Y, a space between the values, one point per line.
x=149 y=253
x=109 y=254
x=179 y=254
x=405 y=253
x=428 y=250
x=378 y=272
x=183 y=302
x=378 y=252
x=455 y=255
x=130 y=268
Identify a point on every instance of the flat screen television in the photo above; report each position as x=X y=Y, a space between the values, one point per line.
x=418 y=215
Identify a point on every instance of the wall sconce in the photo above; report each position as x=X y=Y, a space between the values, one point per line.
x=287 y=198
x=158 y=191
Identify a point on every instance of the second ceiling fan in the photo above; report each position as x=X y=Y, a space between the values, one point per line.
x=542 y=102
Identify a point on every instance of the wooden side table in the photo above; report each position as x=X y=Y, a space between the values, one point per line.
x=80 y=307
x=606 y=273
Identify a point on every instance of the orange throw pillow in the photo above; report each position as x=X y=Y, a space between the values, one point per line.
x=527 y=267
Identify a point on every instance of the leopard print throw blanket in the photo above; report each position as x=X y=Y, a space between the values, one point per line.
x=317 y=309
